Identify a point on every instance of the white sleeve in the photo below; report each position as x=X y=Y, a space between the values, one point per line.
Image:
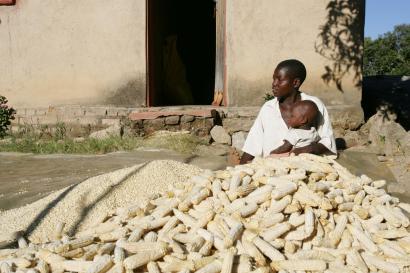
x=326 y=133
x=292 y=137
x=254 y=141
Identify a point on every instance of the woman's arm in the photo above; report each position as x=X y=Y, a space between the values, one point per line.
x=284 y=148
x=314 y=148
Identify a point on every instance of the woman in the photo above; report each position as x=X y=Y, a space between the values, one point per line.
x=272 y=122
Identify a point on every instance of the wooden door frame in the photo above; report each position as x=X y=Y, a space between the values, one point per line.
x=220 y=52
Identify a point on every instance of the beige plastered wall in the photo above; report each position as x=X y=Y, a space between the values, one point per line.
x=73 y=52
x=262 y=33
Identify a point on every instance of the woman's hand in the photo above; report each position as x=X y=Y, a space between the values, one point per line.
x=279 y=155
x=314 y=148
x=246 y=158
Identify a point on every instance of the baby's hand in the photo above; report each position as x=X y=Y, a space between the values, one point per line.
x=279 y=155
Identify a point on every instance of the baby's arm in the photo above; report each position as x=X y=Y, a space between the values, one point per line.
x=286 y=147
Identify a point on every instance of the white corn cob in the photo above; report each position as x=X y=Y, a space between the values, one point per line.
x=245 y=265
x=253 y=251
x=90 y=252
x=271 y=220
x=248 y=210
x=165 y=209
x=185 y=218
x=173 y=264
x=261 y=190
x=204 y=220
x=235 y=182
x=233 y=234
x=246 y=180
x=207 y=247
x=151 y=237
x=119 y=255
x=136 y=234
x=380 y=263
x=303 y=265
x=241 y=191
x=276 y=231
x=101 y=265
x=390 y=251
x=22 y=243
x=214 y=267
x=114 y=235
x=267 y=249
x=312 y=255
x=379 y=183
x=279 y=206
x=107 y=248
x=289 y=248
x=141 y=246
x=363 y=239
x=75 y=266
x=354 y=259
x=405 y=222
x=388 y=216
x=42 y=267
x=143 y=258
x=227 y=262
x=309 y=221
x=283 y=189
x=5 y=267
x=153 y=267
x=75 y=253
x=201 y=195
x=336 y=234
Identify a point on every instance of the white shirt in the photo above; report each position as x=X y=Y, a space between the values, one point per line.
x=269 y=129
x=301 y=137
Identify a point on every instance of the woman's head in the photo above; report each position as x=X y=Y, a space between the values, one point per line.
x=288 y=77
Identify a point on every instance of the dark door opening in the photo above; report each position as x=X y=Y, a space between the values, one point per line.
x=181 y=52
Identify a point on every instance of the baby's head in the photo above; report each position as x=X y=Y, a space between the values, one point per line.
x=304 y=114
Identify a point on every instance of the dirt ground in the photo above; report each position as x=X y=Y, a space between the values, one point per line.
x=25 y=178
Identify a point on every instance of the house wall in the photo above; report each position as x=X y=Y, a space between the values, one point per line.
x=92 y=52
x=261 y=35
x=73 y=52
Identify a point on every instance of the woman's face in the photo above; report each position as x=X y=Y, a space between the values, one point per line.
x=282 y=83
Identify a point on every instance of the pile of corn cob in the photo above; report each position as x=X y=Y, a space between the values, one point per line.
x=297 y=214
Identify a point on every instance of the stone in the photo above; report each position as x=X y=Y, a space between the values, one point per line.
x=187 y=118
x=233 y=125
x=5 y=141
x=238 y=140
x=387 y=136
x=106 y=133
x=79 y=139
x=347 y=117
x=110 y=122
x=172 y=120
x=150 y=126
x=212 y=150
x=354 y=138
x=202 y=126
x=185 y=126
x=219 y=135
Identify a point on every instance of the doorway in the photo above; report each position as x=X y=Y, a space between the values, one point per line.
x=181 y=40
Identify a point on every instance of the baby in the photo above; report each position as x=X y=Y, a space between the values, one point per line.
x=302 y=131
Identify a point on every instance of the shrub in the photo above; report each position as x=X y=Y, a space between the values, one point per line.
x=268 y=96
x=6 y=115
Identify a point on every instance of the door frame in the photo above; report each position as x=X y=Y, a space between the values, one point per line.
x=220 y=52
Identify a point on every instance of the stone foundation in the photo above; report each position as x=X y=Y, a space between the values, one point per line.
x=81 y=121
